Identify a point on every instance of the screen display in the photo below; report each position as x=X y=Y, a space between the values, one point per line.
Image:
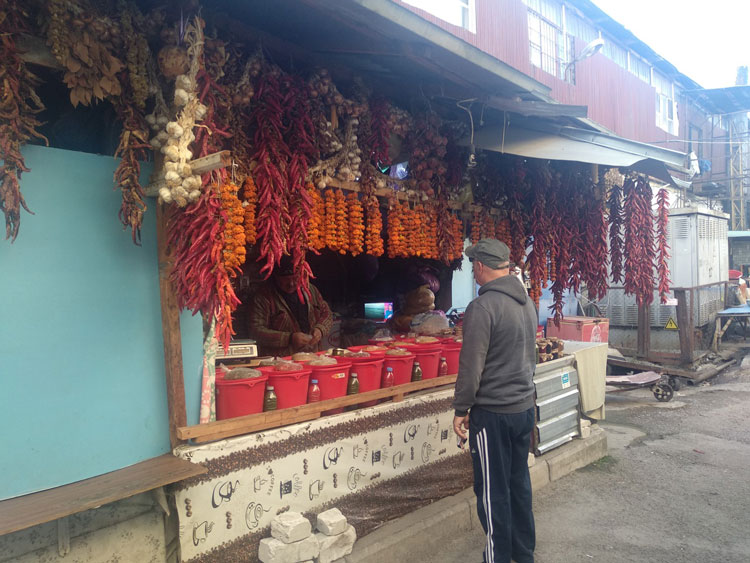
x=378 y=311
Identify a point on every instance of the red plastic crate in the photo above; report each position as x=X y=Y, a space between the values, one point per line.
x=582 y=329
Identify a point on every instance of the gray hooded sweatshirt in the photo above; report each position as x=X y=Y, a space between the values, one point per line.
x=498 y=356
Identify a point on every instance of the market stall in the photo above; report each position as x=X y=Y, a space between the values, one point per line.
x=255 y=160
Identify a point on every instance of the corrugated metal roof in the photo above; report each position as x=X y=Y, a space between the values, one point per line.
x=721 y=101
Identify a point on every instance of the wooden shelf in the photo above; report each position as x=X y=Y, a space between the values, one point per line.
x=263 y=421
x=45 y=506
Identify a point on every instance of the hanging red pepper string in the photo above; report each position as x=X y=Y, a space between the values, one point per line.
x=300 y=134
x=615 y=232
x=201 y=282
x=273 y=218
x=662 y=247
x=19 y=104
x=639 y=241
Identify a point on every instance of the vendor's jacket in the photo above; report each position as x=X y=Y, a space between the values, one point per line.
x=272 y=322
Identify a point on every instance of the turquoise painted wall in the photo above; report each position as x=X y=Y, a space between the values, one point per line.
x=81 y=349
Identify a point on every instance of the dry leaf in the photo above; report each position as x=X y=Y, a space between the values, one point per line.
x=73 y=64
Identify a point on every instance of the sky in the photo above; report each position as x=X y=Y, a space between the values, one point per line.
x=705 y=41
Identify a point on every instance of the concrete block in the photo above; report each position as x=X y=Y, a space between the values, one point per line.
x=331 y=522
x=576 y=454
x=539 y=474
x=336 y=547
x=290 y=527
x=531 y=460
x=272 y=550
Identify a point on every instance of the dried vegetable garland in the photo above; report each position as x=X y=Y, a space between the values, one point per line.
x=398 y=246
x=374 y=229
x=249 y=204
x=19 y=104
x=233 y=231
x=201 y=281
x=316 y=225
x=639 y=241
x=614 y=203
x=662 y=247
x=356 y=224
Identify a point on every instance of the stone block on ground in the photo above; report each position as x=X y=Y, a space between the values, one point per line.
x=272 y=550
x=336 y=547
x=290 y=527
x=331 y=522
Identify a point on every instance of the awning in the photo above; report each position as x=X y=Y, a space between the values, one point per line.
x=548 y=141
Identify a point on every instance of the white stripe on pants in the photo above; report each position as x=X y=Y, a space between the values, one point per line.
x=489 y=549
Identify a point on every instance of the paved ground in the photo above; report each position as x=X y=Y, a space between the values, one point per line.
x=674 y=488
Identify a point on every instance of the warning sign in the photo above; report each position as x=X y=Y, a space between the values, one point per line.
x=671 y=325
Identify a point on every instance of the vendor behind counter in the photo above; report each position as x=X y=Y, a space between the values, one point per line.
x=280 y=322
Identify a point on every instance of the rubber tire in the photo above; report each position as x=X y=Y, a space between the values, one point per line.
x=663 y=392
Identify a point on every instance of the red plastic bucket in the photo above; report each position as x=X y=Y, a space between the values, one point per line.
x=429 y=361
x=290 y=386
x=238 y=397
x=369 y=371
x=451 y=352
x=401 y=365
x=332 y=379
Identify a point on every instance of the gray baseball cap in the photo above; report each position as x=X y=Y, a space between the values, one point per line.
x=490 y=252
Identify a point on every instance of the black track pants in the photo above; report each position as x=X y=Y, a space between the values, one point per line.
x=499 y=451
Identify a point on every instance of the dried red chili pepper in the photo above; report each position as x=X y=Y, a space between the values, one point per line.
x=662 y=247
x=19 y=104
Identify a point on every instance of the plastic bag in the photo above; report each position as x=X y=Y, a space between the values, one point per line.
x=241 y=373
x=433 y=322
x=285 y=365
x=322 y=361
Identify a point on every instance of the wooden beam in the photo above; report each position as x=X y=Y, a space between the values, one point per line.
x=170 y=324
x=207 y=163
x=275 y=419
x=685 y=326
x=31 y=510
x=644 y=331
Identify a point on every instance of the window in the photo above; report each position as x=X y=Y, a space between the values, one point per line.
x=640 y=68
x=615 y=53
x=550 y=48
x=457 y=12
x=695 y=141
x=666 y=113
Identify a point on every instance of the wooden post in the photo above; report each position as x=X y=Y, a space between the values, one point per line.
x=685 y=326
x=170 y=325
x=644 y=331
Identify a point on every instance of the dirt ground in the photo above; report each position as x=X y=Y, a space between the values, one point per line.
x=675 y=486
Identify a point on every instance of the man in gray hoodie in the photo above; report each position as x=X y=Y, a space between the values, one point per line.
x=494 y=400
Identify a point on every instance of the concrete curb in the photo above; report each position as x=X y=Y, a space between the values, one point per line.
x=404 y=538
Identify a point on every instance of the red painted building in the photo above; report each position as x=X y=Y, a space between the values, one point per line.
x=628 y=88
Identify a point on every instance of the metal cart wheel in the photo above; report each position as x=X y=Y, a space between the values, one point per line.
x=663 y=392
x=675 y=382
